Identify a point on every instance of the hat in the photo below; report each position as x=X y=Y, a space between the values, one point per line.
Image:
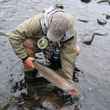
x=59 y=4
x=59 y=25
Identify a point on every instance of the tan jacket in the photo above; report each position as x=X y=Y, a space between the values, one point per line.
x=32 y=29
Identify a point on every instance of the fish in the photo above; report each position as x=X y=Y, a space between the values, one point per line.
x=57 y=80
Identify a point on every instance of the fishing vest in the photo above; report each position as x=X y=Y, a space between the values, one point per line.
x=48 y=52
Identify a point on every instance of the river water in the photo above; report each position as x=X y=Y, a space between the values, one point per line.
x=94 y=59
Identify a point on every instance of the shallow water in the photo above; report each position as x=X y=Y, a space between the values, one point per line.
x=93 y=60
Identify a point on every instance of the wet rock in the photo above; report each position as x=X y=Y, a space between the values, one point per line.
x=101 y=22
x=18 y=86
x=82 y=20
x=104 y=1
x=75 y=74
x=89 y=42
x=86 y=1
x=107 y=17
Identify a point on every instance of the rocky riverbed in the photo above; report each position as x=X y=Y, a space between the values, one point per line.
x=92 y=22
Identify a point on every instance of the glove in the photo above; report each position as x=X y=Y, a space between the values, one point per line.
x=28 y=63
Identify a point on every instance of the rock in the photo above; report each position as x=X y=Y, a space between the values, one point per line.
x=101 y=22
x=82 y=20
x=86 y=1
x=89 y=42
x=103 y=1
x=107 y=17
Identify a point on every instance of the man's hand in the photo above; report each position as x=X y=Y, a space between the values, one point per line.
x=28 y=63
x=74 y=93
x=77 y=50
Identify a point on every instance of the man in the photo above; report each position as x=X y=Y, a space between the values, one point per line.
x=49 y=38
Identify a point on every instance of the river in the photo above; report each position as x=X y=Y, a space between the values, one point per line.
x=94 y=59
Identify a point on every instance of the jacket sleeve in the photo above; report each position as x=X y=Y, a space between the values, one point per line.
x=69 y=54
x=28 y=29
x=68 y=58
x=69 y=48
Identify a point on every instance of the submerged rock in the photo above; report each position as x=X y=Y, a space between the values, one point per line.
x=86 y=1
x=89 y=42
x=83 y=20
x=107 y=17
x=103 y=1
x=101 y=22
